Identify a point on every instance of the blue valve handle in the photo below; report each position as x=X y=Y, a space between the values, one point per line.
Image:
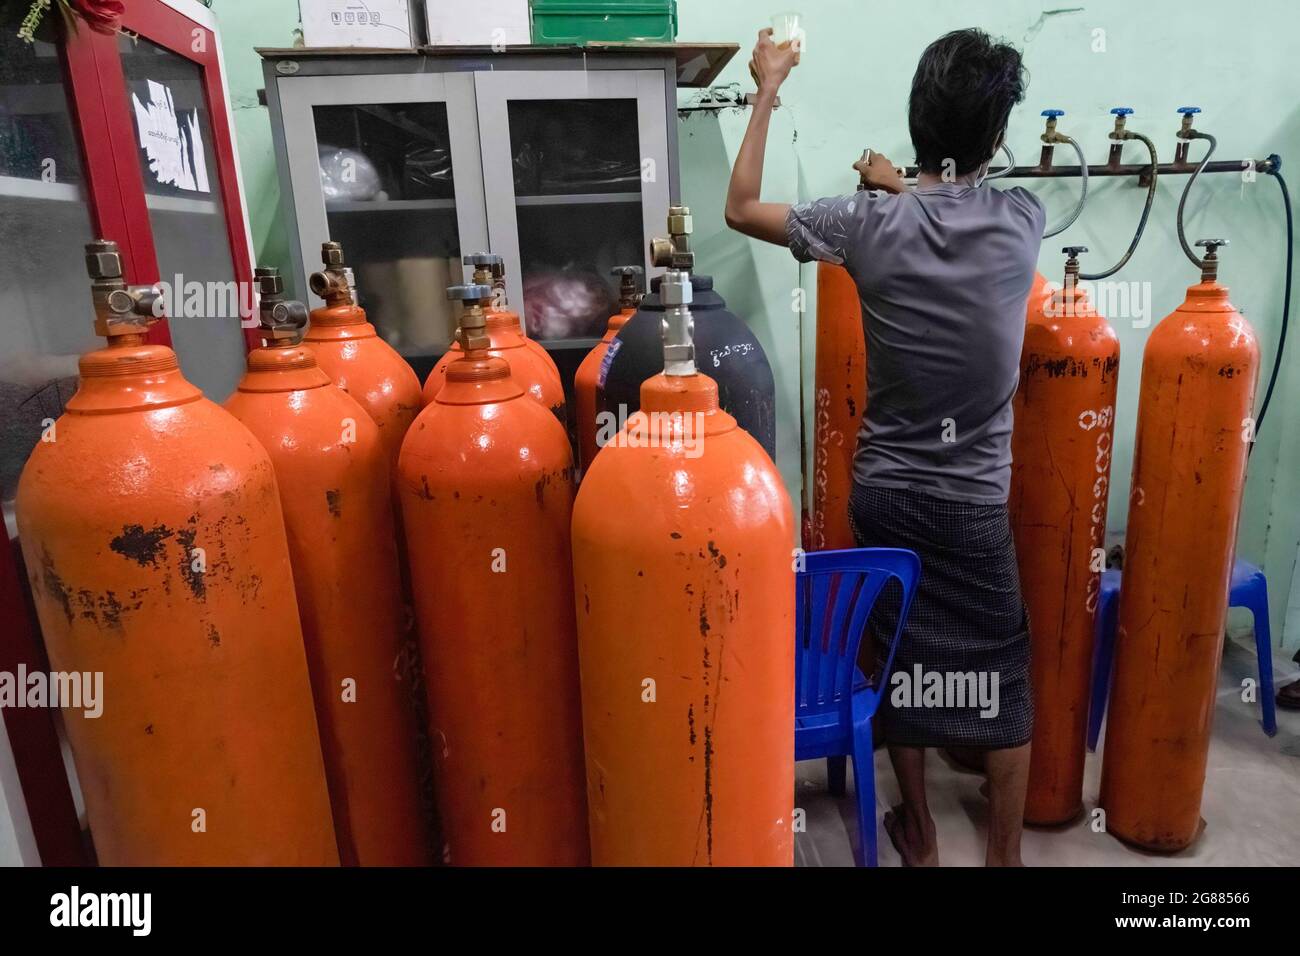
x=1122 y=111
x=1189 y=109
x=1052 y=113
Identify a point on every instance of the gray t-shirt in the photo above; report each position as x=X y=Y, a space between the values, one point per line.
x=944 y=272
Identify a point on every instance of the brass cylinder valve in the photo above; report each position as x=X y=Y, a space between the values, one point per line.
x=472 y=330
x=674 y=250
x=489 y=268
x=282 y=319
x=675 y=293
x=1210 y=264
x=629 y=285
x=1072 y=265
x=334 y=282
x=119 y=309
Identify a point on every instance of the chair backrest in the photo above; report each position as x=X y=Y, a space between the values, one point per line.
x=834 y=595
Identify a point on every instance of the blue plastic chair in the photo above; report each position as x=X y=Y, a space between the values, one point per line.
x=1249 y=589
x=834 y=701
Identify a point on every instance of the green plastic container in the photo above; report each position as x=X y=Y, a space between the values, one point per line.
x=578 y=22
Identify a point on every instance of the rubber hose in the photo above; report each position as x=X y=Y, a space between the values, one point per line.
x=1083 y=192
x=1182 y=237
x=1286 y=301
x=1142 y=223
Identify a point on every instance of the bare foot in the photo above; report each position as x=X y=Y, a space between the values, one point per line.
x=915 y=840
x=999 y=859
x=1010 y=858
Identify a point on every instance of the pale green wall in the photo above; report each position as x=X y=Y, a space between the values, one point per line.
x=1234 y=61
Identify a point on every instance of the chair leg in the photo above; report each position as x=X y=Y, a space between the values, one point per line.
x=864 y=782
x=1264 y=651
x=837 y=775
x=1103 y=659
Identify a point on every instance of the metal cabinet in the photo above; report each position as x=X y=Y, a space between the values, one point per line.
x=561 y=160
x=389 y=167
x=549 y=216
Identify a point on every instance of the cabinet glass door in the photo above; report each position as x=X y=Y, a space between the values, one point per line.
x=45 y=222
x=576 y=173
x=388 y=166
x=174 y=148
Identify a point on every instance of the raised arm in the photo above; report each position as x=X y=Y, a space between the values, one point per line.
x=745 y=212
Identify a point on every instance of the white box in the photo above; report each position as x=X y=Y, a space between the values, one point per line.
x=494 y=23
x=365 y=23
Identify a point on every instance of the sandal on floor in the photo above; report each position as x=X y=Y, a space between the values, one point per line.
x=1288 y=698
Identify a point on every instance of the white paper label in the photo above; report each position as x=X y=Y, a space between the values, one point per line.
x=173 y=143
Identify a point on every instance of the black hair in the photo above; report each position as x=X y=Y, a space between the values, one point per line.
x=962 y=94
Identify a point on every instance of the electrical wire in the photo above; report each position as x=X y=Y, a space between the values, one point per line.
x=1083 y=192
x=1142 y=223
x=1182 y=237
x=1275 y=171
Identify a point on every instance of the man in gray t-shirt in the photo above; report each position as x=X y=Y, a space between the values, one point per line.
x=943 y=271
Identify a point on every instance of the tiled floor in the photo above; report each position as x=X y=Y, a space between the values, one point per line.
x=1251 y=805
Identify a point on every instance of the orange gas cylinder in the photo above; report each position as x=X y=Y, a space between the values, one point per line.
x=1060 y=476
x=486 y=486
x=357 y=359
x=683 y=580
x=587 y=376
x=335 y=490
x=530 y=364
x=841 y=398
x=1189 y=469
x=151 y=528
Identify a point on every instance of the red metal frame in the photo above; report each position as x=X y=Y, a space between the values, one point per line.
x=96 y=77
x=33 y=736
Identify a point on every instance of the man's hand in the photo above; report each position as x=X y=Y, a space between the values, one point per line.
x=877 y=172
x=771 y=64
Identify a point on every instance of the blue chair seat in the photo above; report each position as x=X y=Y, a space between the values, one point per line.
x=1248 y=589
x=815 y=731
x=834 y=700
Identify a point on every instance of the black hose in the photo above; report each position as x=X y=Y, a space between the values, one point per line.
x=1142 y=223
x=1182 y=237
x=1275 y=171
